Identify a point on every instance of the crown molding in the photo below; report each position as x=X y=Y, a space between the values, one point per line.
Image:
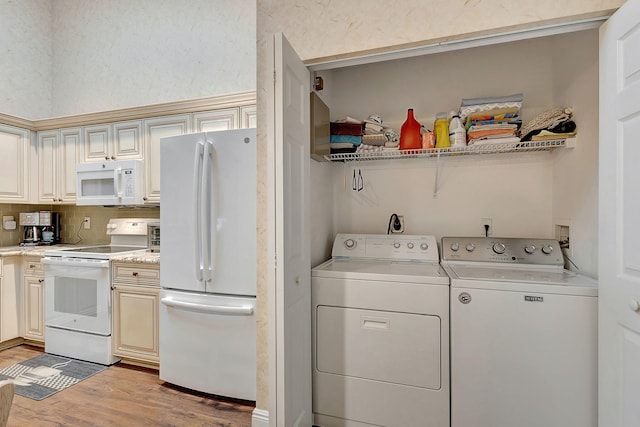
x=134 y=113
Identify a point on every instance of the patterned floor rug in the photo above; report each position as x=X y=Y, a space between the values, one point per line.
x=44 y=375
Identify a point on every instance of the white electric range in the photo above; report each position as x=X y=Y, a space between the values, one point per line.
x=78 y=293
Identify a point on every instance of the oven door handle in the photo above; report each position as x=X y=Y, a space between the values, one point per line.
x=72 y=262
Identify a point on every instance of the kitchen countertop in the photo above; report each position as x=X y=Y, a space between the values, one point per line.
x=138 y=257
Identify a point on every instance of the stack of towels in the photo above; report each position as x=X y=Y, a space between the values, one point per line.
x=345 y=135
x=350 y=135
x=492 y=120
x=553 y=124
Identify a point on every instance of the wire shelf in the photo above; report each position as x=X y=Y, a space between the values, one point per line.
x=512 y=147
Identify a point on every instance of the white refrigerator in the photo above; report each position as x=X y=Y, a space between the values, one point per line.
x=208 y=262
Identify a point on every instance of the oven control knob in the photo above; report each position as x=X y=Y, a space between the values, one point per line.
x=547 y=249
x=455 y=246
x=499 y=248
x=470 y=247
x=410 y=245
x=396 y=245
x=529 y=249
x=350 y=243
x=424 y=246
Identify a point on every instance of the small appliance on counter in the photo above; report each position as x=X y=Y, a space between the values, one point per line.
x=40 y=228
x=153 y=236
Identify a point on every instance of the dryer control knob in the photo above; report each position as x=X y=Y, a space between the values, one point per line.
x=396 y=245
x=547 y=249
x=455 y=246
x=424 y=246
x=529 y=249
x=410 y=245
x=499 y=248
x=470 y=247
x=634 y=305
x=350 y=243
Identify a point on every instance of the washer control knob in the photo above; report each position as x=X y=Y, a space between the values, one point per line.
x=470 y=247
x=634 y=305
x=350 y=243
x=396 y=245
x=529 y=249
x=547 y=249
x=424 y=246
x=499 y=248
x=410 y=245
x=455 y=246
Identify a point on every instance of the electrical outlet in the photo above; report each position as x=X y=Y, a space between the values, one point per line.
x=399 y=227
x=484 y=222
x=87 y=223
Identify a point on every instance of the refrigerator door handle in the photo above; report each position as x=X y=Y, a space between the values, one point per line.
x=197 y=184
x=209 y=309
x=205 y=209
x=212 y=213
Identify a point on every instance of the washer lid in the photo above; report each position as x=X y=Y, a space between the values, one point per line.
x=544 y=280
x=391 y=271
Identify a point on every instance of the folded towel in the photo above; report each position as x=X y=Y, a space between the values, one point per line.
x=369 y=149
x=340 y=145
x=518 y=97
x=345 y=128
x=352 y=139
x=547 y=120
x=488 y=141
x=378 y=139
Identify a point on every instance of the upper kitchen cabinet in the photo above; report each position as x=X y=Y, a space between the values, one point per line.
x=14 y=164
x=215 y=120
x=154 y=130
x=58 y=153
x=115 y=141
x=248 y=116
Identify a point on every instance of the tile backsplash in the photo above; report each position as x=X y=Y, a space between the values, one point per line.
x=71 y=218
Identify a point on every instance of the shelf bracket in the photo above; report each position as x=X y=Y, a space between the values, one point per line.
x=437 y=180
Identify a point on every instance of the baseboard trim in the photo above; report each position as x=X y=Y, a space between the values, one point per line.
x=260 y=418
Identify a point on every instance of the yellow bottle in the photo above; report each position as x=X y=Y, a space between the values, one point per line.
x=441 y=128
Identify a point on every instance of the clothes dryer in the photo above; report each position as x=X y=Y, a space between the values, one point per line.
x=523 y=335
x=381 y=333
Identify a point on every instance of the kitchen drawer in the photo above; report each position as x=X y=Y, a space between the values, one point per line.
x=134 y=273
x=33 y=266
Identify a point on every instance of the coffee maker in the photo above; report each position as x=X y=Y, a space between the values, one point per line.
x=40 y=228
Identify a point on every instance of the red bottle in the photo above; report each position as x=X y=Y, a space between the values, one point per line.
x=410 y=133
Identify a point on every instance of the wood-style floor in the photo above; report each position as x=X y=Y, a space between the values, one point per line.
x=122 y=395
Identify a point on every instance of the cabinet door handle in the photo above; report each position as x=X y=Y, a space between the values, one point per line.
x=106 y=157
x=135 y=273
x=32 y=266
x=40 y=280
x=113 y=157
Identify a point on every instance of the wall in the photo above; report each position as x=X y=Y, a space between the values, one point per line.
x=112 y=54
x=71 y=218
x=575 y=172
x=26 y=49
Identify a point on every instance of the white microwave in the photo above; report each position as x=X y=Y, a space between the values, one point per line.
x=115 y=183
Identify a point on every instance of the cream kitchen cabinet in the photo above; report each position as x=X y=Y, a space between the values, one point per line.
x=136 y=295
x=248 y=116
x=33 y=298
x=215 y=120
x=114 y=141
x=9 y=298
x=14 y=164
x=58 y=153
x=154 y=129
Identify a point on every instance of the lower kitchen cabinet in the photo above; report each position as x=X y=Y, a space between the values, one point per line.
x=33 y=291
x=136 y=295
x=9 y=298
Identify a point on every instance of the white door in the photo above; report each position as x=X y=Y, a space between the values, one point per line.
x=289 y=135
x=619 y=199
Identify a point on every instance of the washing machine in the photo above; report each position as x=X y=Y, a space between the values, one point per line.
x=523 y=335
x=381 y=333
